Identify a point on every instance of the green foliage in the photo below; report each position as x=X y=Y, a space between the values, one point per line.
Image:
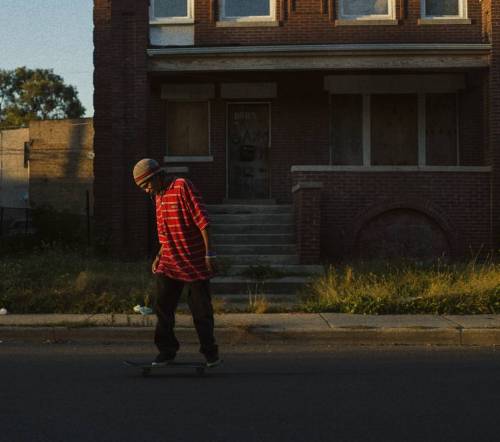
x=35 y=94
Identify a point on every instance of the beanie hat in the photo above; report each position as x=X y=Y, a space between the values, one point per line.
x=145 y=170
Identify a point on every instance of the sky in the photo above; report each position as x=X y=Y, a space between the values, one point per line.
x=50 y=34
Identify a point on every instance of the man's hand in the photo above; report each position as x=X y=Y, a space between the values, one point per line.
x=155 y=264
x=211 y=262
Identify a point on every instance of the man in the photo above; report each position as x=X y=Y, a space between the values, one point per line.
x=186 y=256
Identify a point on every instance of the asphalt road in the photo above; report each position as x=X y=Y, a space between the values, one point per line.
x=65 y=392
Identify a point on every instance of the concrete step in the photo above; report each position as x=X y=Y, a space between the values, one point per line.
x=252 y=218
x=262 y=238
x=256 y=249
x=299 y=269
x=247 y=202
x=245 y=286
x=241 y=229
x=240 y=209
x=260 y=259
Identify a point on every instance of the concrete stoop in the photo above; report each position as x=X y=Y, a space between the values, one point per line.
x=257 y=251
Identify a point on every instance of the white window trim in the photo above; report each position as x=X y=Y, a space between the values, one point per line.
x=462 y=12
x=188 y=19
x=193 y=158
x=250 y=18
x=391 y=15
x=422 y=136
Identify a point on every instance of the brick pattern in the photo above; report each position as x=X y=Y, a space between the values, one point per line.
x=307 y=215
x=61 y=166
x=458 y=202
x=307 y=25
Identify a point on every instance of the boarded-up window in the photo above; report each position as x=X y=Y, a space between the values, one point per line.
x=394 y=130
x=170 y=8
x=347 y=129
x=187 y=128
x=246 y=8
x=441 y=129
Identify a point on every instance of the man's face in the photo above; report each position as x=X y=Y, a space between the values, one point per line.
x=152 y=186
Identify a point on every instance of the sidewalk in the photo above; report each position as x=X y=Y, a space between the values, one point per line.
x=233 y=329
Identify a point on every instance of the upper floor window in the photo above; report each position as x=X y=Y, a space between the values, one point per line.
x=247 y=10
x=171 y=11
x=366 y=9
x=444 y=9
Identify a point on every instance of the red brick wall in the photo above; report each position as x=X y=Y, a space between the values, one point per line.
x=494 y=121
x=458 y=202
x=308 y=26
x=121 y=108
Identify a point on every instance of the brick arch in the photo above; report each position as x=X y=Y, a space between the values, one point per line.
x=424 y=208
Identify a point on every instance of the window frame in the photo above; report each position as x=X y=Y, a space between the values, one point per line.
x=391 y=15
x=188 y=19
x=462 y=9
x=248 y=18
x=186 y=157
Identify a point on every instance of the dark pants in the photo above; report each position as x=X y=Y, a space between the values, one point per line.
x=200 y=304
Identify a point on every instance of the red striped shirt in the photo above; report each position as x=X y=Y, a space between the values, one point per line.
x=180 y=217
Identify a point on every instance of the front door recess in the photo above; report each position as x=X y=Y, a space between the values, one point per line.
x=248 y=150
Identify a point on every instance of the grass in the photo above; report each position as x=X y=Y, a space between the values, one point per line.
x=384 y=288
x=49 y=279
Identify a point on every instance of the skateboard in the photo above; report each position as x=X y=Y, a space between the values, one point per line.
x=148 y=367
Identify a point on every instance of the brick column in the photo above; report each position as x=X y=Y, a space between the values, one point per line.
x=307 y=212
x=494 y=119
x=121 y=38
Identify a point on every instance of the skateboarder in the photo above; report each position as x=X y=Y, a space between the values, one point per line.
x=186 y=256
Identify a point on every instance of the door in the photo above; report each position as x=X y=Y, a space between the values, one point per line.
x=248 y=150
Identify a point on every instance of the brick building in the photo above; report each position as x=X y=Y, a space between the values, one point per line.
x=378 y=121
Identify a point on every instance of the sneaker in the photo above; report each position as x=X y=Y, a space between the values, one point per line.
x=163 y=359
x=213 y=361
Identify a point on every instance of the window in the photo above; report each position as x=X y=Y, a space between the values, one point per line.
x=366 y=9
x=444 y=9
x=188 y=131
x=173 y=11
x=247 y=10
x=397 y=129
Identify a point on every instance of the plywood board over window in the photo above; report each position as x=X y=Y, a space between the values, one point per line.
x=394 y=129
x=187 y=128
x=347 y=129
x=441 y=129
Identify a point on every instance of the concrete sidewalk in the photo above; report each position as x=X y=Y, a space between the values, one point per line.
x=331 y=328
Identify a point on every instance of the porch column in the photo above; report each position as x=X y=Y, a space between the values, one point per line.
x=494 y=123
x=307 y=213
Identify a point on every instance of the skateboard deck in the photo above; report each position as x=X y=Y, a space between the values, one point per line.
x=148 y=367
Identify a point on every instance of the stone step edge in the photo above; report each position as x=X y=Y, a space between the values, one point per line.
x=243 y=280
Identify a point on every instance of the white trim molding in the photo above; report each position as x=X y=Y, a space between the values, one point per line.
x=172 y=20
x=326 y=168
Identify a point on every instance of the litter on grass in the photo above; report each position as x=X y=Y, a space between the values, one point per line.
x=143 y=310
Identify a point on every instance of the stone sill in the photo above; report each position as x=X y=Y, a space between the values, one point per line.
x=307 y=185
x=172 y=22
x=188 y=159
x=246 y=24
x=367 y=22
x=444 y=21
x=467 y=169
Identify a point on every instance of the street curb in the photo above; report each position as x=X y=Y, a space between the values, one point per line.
x=255 y=335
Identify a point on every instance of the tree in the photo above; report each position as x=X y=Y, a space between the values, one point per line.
x=35 y=94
